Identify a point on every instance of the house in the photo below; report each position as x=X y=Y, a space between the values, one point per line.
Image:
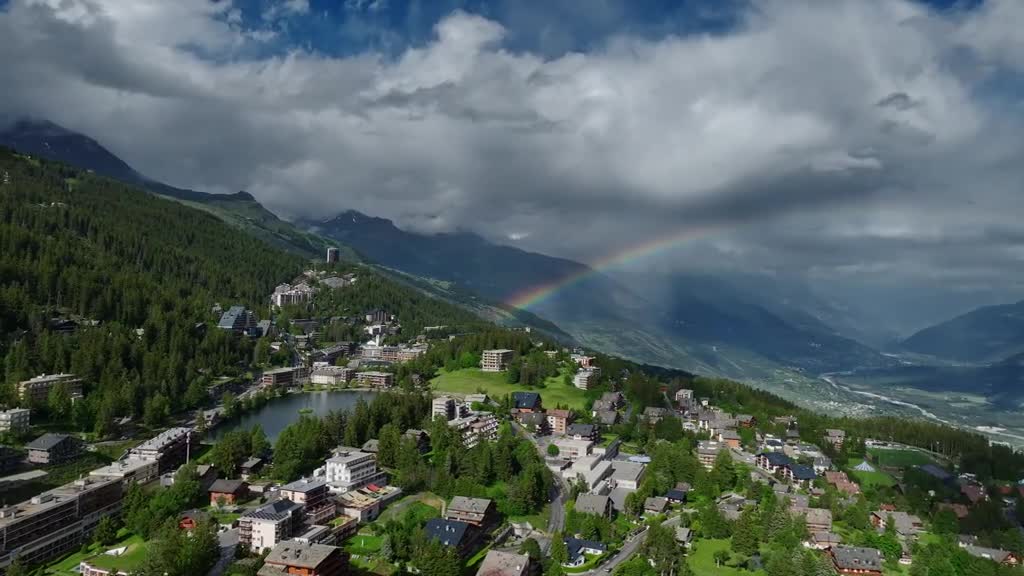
x=684 y=397
x=907 y=525
x=835 y=437
x=250 y=467
x=558 y=420
x=606 y=417
x=684 y=536
x=535 y=422
x=526 y=401
x=495 y=360
x=189 y=519
x=677 y=495
x=822 y=464
x=994 y=554
x=53 y=449
x=856 y=561
x=817 y=519
x=707 y=452
x=227 y=492
x=580 y=549
x=582 y=431
x=732 y=504
x=614 y=399
x=745 y=421
x=824 y=540
x=475 y=511
x=452 y=533
x=730 y=438
x=594 y=504
x=350 y=469
x=653 y=414
x=292 y=557
x=498 y=563
x=655 y=505
x=420 y=437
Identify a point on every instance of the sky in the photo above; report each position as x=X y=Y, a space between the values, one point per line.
x=846 y=141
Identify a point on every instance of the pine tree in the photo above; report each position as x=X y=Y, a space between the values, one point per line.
x=745 y=535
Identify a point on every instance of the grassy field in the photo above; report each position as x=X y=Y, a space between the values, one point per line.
x=868 y=479
x=129 y=561
x=702 y=559
x=538 y=521
x=900 y=458
x=363 y=544
x=473 y=380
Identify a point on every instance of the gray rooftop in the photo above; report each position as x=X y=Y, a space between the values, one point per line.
x=294 y=553
x=856 y=558
x=592 y=504
x=47 y=441
x=472 y=505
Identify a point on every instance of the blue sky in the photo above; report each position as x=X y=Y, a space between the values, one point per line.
x=549 y=27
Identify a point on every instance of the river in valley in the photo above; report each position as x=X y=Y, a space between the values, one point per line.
x=278 y=413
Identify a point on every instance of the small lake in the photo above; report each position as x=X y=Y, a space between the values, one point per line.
x=275 y=415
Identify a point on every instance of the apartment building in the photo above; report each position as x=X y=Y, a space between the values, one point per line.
x=583 y=360
x=475 y=511
x=36 y=390
x=586 y=378
x=332 y=376
x=375 y=379
x=707 y=452
x=350 y=469
x=268 y=525
x=170 y=448
x=496 y=360
x=238 y=320
x=130 y=471
x=57 y=521
x=283 y=377
x=311 y=494
x=296 y=558
x=443 y=406
x=15 y=420
x=559 y=420
x=476 y=427
x=570 y=449
x=286 y=294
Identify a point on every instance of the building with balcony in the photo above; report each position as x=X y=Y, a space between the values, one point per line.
x=129 y=471
x=170 y=448
x=266 y=526
x=495 y=360
x=475 y=511
x=15 y=420
x=305 y=559
x=52 y=448
x=351 y=469
x=36 y=391
x=375 y=379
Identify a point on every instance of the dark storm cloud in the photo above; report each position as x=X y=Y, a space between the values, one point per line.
x=841 y=137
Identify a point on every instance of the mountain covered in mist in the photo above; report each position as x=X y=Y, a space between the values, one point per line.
x=990 y=334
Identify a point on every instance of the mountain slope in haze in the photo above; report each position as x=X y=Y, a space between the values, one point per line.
x=984 y=335
x=53 y=142
x=695 y=323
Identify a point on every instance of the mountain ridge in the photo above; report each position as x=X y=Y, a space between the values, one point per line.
x=988 y=334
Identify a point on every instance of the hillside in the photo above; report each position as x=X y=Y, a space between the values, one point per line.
x=985 y=335
x=113 y=259
x=45 y=139
x=704 y=324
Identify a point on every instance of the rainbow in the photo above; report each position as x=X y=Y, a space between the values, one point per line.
x=536 y=294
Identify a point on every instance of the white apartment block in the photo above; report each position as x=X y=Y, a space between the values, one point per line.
x=495 y=360
x=586 y=378
x=15 y=420
x=350 y=469
x=286 y=294
x=332 y=376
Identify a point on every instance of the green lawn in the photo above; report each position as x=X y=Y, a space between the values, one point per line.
x=900 y=458
x=472 y=380
x=363 y=544
x=868 y=479
x=702 y=559
x=425 y=506
x=538 y=521
x=130 y=561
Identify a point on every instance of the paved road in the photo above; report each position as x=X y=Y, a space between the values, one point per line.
x=556 y=521
x=228 y=541
x=629 y=547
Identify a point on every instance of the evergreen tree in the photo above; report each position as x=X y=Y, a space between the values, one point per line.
x=745 y=535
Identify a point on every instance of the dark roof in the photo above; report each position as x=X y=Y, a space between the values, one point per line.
x=195 y=514
x=526 y=399
x=276 y=510
x=776 y=459
x=936 y=472
x=575 y=545
x=222 y=486
x=585 y=430
x=447 y=532
x=533 y=419
x=854 y=558
x=801 y=472
x=48 y=441
x=676 y=494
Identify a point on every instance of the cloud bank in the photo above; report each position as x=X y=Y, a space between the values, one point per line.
x=854 y=138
